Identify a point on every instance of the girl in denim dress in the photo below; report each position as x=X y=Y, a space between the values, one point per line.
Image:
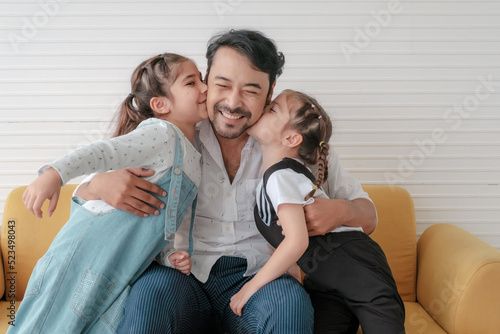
x=81 y=284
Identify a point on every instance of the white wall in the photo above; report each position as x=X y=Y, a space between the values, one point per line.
x=395 y=76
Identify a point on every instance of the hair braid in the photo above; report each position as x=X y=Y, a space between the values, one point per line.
x=314 y=124
x=322 y=169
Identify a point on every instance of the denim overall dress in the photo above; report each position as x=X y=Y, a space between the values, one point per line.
x=81 y=284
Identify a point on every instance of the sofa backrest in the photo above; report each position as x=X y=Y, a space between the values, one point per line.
x=25 y=238
x=396 y=234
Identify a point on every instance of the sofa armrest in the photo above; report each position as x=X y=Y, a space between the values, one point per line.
x=457 y=280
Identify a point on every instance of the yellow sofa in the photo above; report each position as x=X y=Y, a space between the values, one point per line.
x=449 y=280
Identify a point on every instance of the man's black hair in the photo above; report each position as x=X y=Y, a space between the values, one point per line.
x=255 y=46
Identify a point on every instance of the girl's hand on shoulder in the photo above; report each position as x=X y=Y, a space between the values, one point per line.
x=46 y=186
x=239 y=300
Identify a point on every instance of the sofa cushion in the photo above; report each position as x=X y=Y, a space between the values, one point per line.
x=396 y=234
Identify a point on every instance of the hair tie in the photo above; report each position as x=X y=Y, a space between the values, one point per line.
x=320 y=117
x=315 y=188
x=321 y=143
x=313 y=106
x=143 y=68
x=132 y=95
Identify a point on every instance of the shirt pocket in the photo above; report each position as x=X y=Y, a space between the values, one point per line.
x=245 y=199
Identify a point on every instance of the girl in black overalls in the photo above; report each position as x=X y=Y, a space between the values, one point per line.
x=347 y=274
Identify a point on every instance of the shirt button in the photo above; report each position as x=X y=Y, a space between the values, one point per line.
x=170 y=236
x=177 y=170
x=228 y=228
x=229 y=195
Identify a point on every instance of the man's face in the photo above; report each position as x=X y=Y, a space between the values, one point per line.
x=237 y=93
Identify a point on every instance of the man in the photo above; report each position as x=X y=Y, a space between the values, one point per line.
x=242 y=70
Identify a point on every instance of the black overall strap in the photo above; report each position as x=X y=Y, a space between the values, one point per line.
x=289 y=163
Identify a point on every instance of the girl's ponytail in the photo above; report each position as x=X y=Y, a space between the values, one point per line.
x=152 y=78
x=128 y=117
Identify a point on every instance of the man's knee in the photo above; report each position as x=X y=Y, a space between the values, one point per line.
x=284 y=304
x=287 y=291
x=164 y=298
x=160 y=283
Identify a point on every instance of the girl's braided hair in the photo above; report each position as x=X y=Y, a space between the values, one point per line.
x=314 y=124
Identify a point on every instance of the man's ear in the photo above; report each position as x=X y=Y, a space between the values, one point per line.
x=270 y=94
x=292 y=139
x=160 y=104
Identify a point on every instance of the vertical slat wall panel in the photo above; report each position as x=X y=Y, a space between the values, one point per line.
x=413 y=87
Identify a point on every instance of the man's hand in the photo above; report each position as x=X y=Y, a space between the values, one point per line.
x=125 y=190
x=181 y=261
x=325 y=215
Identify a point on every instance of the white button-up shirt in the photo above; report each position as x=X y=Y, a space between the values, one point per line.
x=224 y=223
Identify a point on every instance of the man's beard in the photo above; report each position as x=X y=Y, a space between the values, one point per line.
x=229 y=131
